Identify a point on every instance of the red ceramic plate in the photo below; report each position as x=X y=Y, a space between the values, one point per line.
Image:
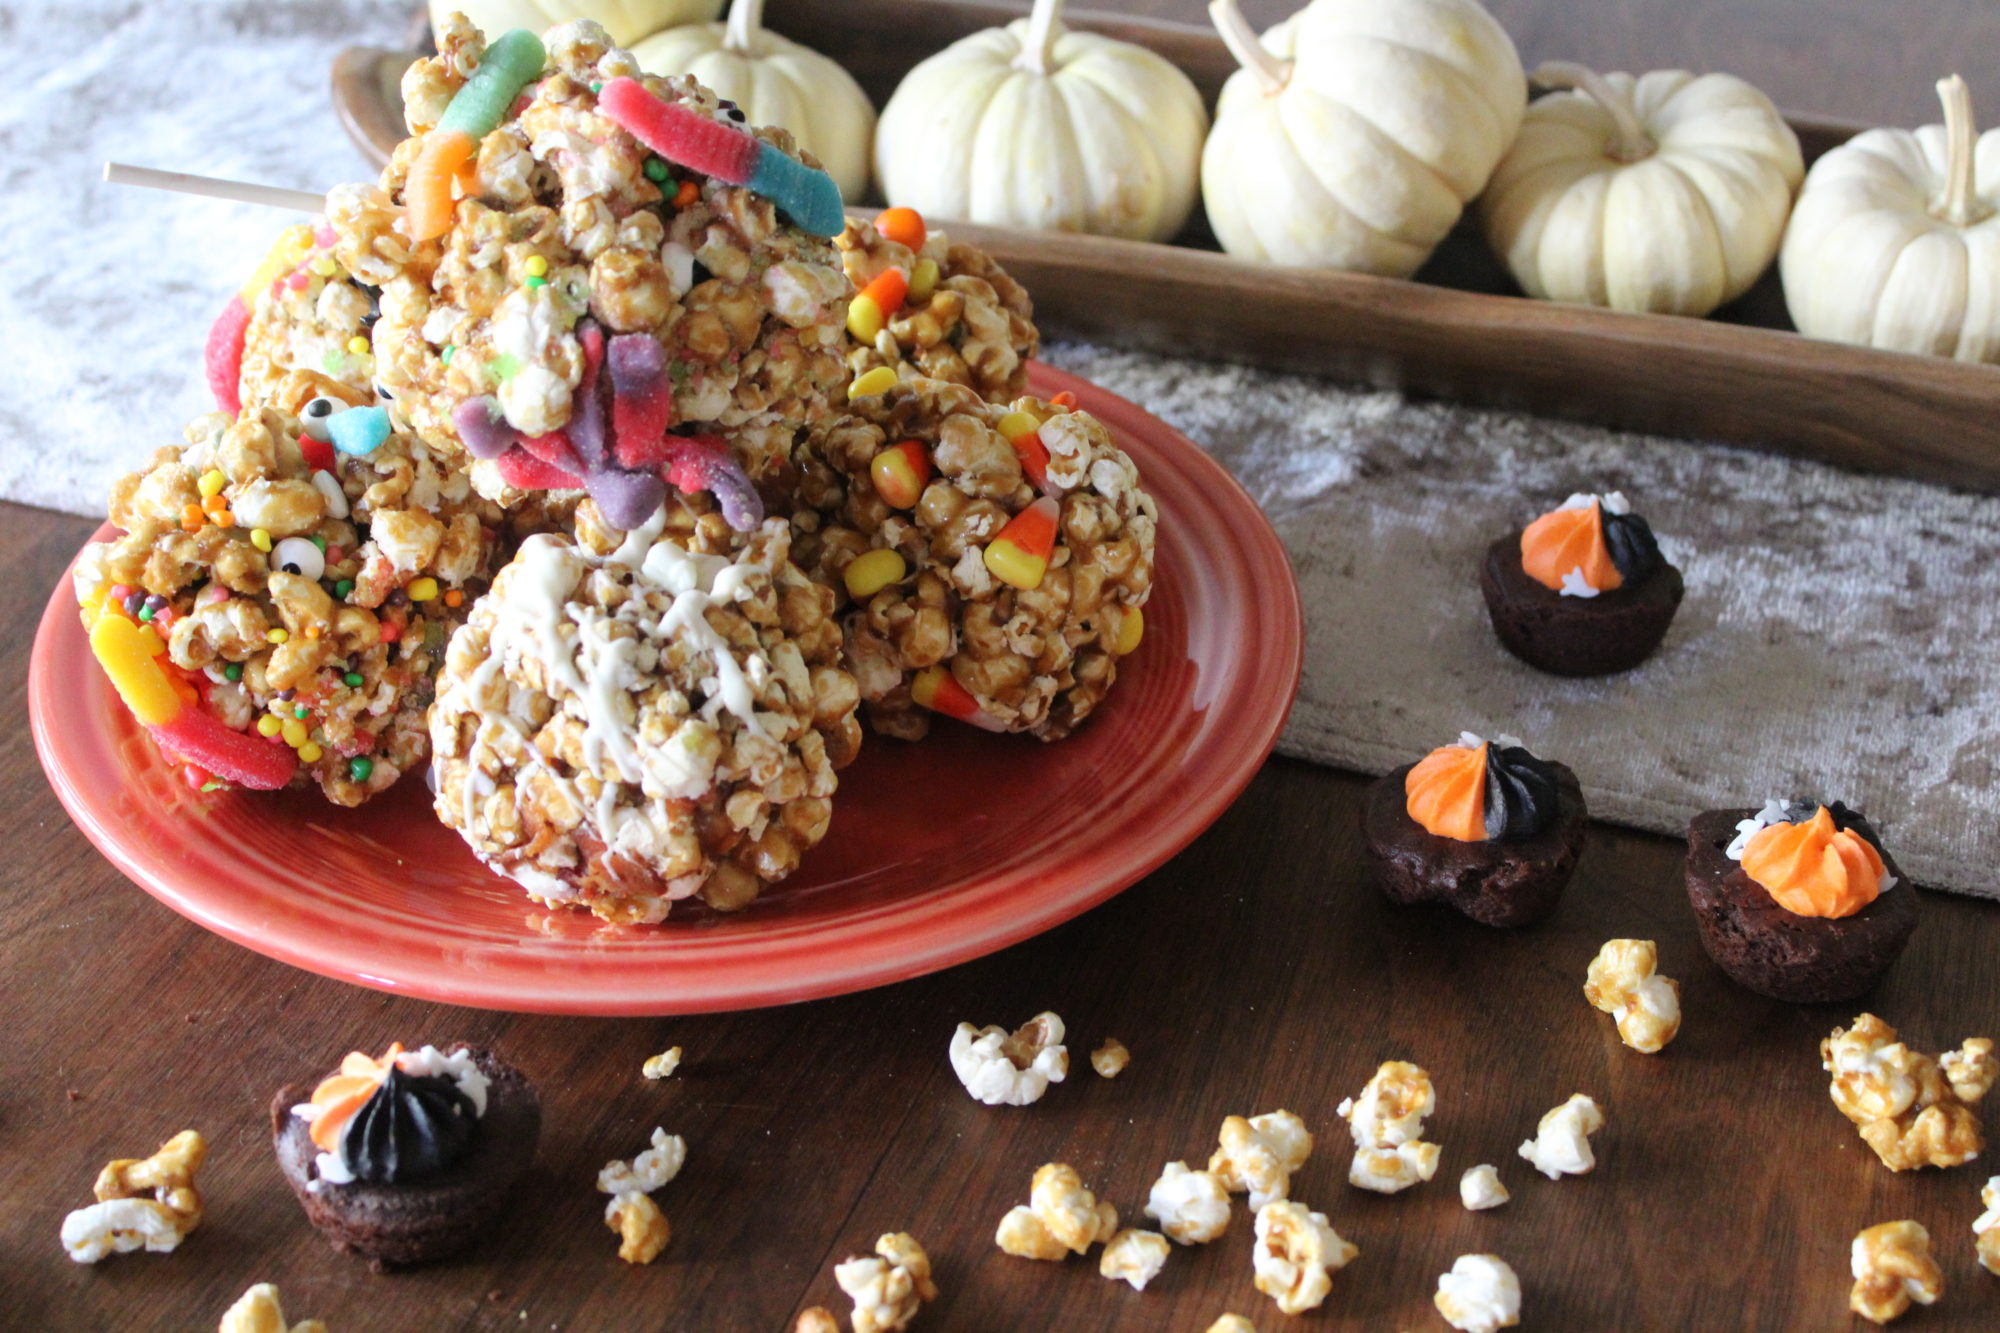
x=939 y=852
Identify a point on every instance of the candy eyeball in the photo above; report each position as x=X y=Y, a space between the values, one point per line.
x=382 y=392
x=315 y=414
x=730 y=113
x=297 y=555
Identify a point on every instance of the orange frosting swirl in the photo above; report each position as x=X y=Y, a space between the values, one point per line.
x=1815 y=868
x=346 y=1092
x=1566 y=539
x=1446 y=793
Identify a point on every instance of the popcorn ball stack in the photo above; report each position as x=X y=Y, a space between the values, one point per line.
x=597 y=278
x=994 y=561
x=623 y=727
x=277 y=607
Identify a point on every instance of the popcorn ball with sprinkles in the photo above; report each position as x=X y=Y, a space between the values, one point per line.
x=277 y=605
x=309 y=318
x=595 y=278
x=993 y=561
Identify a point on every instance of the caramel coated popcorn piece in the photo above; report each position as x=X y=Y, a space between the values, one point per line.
x=818 y=1319
x=1000 y=1069
x=1110 y=1059
x=1061 y=1218
x=662 y=1065
x=1480 y=1188
x=1190 y=1206
x=1295 y=1254
x=1231 y=1323
x=1623 y=982
x=1561 y=1146
x=258 y=1311
x=1134 y=1256
x=125 y=1219
x=641 y=1226
x=1258 y=1155
x=1986 y=1227
x=889 y=1286
x=1387 y=1122
x=1480 y=1294
x=1893 y=1267
x=1912 y=1110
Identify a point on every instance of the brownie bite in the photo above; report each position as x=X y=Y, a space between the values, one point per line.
x=1489 y=828
x=1583 y=590
x=408 y=1158
x=1797 y=901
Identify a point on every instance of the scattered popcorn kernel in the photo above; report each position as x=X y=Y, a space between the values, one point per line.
x=662 y=1065
x=1986 y=1227
x=1623 y=983
x=1258 y=1155
x=1892 y=1267
x=122 y=1221
x=1231 y=1323
x=1294 y=1253
x=258 y=1311
x=1136 y=1256
x=1386 y=1121
x=641 y=1226
x=1110 y=1059
x=1190 y=1206
x=649 y=1170
x=818 y=1319
x=1561 y=1146
x=1480 y=1188
x=1072 y=1213
x=889 y=1286
x=1010 y=1070
x=1022 y=1235
x=1908 y=1106
x=1480 y=1294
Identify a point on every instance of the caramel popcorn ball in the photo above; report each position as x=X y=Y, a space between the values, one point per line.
x=1561 y=1146
x=142 y=1203
x=1000 y=1069
x=311 y=605
x=1061 y=1218
x=258 y=1311
x=1295 y=1254
x=1480 y=1294
x=1134 y=1256
x=1892 y=1267
x=1986 y=1227
x=916 y=508
x=963 y=320
x=1258 y=1155
x=564 y=215
x=1386 y=1121
x=1912 y=1110
x=1190 y=1206
x=622 y=729
x=1623 y=983
x=662 y=1065
x=888 y=1287
x=1110 y=1058
x=1480 y=1188
x=642 y=1228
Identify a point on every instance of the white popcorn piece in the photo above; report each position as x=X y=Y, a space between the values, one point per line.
x=120 y=1226
x=662 y=1065
x=1002 y=1069
x=1231 y=1323
x=1258 y=1155
x=648 y=1171
x=1892 y=1267
x=1986 y=1227
x=1386 y=1122
x=1134 y=1256
x=1295 y=1254
x=1971 y=1069
x=1393 y=1170
x=1480 y=1294
x=889 y=1286
x=1623 y=982
x=1190 y=1206
x=1561 y=1146
x=1480 y=1188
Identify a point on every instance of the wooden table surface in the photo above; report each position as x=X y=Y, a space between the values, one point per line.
x=1257 y=970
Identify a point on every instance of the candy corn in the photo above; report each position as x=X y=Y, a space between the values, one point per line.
x=899 y=473
x=938 y=690
x=1020 y=553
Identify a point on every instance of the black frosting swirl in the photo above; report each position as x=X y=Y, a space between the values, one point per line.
x=1799 y=812
x=1521 y=794
x=412 y=1126
x=1630 y=540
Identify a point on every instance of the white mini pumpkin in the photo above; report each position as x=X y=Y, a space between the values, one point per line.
x=1031 y=125
x=1895 y=242
x=1666 y=194
x=1357 y=130
x=776 y=82
x=626 y=20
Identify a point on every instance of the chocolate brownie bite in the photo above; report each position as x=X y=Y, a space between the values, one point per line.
x=1797 y=901
x=1487 y=827
x=408 y=1158
x=1583 y=590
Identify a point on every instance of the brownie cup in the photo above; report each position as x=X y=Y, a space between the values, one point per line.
x=1576 y=636
x=401 y=1222
x=1767 y=949
x=1503 y=883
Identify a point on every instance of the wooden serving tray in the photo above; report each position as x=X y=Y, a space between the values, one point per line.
x=1460 y=330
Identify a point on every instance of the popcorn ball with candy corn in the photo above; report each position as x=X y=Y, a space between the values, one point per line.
x=994 y=560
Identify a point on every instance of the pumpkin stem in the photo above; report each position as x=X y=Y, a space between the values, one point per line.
x=1241 y=39
x=1038 y=48
x=1629 y=140
x=746 y=27
x=1960 y=206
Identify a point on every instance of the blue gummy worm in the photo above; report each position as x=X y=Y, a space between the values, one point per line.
x=806 y=194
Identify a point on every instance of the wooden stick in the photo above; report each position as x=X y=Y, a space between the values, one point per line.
x=118 y=173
